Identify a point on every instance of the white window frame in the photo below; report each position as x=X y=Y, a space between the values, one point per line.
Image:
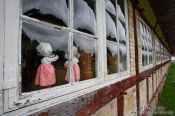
x=119 y=75
x=148 y=30
x=157 y=51
x=27 y=103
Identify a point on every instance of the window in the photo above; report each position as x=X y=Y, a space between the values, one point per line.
x=116 y=36
x=58 y=50
x=146 y=39
x=165 y=54
x=60 y=47
x=158 y=50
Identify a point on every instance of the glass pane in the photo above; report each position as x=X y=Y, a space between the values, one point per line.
x=151 y=58
x=43 y=57
x=110 y=7
x=141 y=29
x=111 y=31
x=143 y=46
x=147 y=56
x=123 y=58
x=85 y=55
x=143 y=60
x=121 y=10
x=84 y=16
x=53 y=11
x=112 y=57
x=122 y=32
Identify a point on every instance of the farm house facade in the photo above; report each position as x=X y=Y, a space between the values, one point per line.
x=80 y=57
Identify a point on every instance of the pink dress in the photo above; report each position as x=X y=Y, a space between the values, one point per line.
x=76 y=73
x=45 y=75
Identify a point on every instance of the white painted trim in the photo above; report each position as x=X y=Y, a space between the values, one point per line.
x=40 y=106
x=1 y=39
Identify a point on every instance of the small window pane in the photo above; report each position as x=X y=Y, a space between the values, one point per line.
x=110 y=7
x=123 y=58
x=53 y=11
x=86 y=56
x=122 y=32
x=121 y=10
x=143 y=60
x=111 y=32
x=43 y=57
x=84 y=16
x=112 y=58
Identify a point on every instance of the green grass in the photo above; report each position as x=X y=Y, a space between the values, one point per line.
x=166 y=101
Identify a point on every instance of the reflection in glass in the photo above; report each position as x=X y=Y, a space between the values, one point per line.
x=110 y=7
x=34 y=55
x=111 y=33
x=121 y=10
x=143 y=60
x=123 y=58
x=85 y=55
x=84 y=16
x=122 y=33
x=112 y=57
x=53 y=11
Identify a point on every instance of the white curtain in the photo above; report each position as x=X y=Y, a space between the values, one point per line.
x=84 y=16
x=110 y=7
x=88 y=45
x=113 y=48
x=57 y=8
x=110 y=27
x=122 y=33
x=57 y=39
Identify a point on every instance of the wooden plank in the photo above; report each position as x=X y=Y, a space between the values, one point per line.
x=1 y=52
x=11 y=53
x=1 y=39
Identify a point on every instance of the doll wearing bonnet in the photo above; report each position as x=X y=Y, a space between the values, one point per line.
x=76 y=68
x=45 y=75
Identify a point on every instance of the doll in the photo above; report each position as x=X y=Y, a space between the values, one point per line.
x=76 y=68
x=45 y=75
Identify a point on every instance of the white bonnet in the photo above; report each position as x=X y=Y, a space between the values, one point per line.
x=44 y=49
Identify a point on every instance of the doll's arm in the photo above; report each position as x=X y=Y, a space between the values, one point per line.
x=52 y=59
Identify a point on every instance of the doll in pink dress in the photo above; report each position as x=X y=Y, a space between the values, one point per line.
x=45 y=75
x=76 y=68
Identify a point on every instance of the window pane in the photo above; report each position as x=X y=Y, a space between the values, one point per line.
x=110 y=7
x=112 y=57
x=121 y=10
x=111 y=25
x=111 y=32
x=43 y=57
x=53 y=11
x=143 y=60
x=123 y=58
x=84 y=16
x=85 y=56
x=122 y=32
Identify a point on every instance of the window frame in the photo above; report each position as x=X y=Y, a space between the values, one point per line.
x=158 y=50
x=62 y=89
x=30 y=102
x=147 y=52
x=120 y=74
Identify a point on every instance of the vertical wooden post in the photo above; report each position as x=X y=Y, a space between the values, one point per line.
x=120 y=104
x=136 y=57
